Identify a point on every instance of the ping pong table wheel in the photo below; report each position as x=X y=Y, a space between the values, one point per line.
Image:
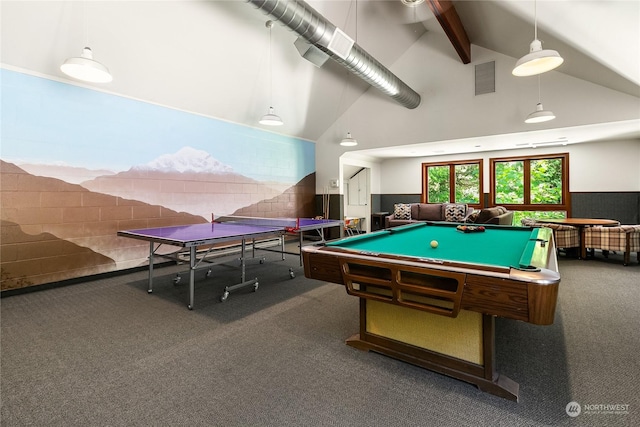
x=208 y=273
x=291 y=273
x=177 y=279
x=262 y=260
x=224 y=296
x=255 y=287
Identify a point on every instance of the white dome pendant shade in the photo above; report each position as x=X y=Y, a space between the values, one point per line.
x=538 y=60
x=540 y=115
x=348 y=141
x=271 y=119
x=85 y=68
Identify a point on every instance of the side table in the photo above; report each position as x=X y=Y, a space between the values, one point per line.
x=377 y=220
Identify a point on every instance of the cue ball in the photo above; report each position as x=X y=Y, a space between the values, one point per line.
x=434 y=243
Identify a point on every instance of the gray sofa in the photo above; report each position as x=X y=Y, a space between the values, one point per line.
x=498 y=215
x=454 y=212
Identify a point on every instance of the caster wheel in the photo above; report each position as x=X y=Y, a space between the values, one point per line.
x=208 y=273
x=262 y=261
x=224 y=296
x=149 y=291
x=177 y=279
x=291 y=274
x=255 y=287
x=190 y=307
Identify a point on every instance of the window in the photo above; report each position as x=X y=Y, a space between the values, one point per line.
x=533 y=183
x=459 y=182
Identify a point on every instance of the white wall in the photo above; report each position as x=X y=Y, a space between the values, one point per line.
x=450 y=110
x=604 y=166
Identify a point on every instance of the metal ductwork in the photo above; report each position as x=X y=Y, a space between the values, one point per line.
x=305 y=21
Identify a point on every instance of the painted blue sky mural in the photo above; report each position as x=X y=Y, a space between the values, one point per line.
x=45 y=121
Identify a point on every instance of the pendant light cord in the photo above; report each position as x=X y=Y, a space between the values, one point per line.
x=86 y=24
x=270 y=69
x=535 y=20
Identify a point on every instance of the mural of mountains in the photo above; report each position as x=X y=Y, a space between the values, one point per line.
x=187 y=159
x=53 y=230
x=296 y=202
x=57 y=259
x=70 y=174
x=189 y=181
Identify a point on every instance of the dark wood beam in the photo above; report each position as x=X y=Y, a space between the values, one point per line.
x=446 y=14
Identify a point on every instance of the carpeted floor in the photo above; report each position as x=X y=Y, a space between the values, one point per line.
x=107 y=353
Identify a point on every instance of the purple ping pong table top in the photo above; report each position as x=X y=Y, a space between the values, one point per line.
x=198 y=234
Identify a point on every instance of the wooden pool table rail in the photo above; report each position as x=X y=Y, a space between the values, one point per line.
x=498 y=292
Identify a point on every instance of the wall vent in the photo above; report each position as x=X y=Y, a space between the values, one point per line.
x=486 y=78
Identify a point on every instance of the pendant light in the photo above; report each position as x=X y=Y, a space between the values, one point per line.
x=538 y=60
x=271 y=118
x=349 y=141
x=540 y=115
x=84 y=67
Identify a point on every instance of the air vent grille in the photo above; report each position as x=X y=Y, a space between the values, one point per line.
x=486 y=78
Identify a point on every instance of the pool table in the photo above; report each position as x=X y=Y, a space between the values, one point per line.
x=434 y=305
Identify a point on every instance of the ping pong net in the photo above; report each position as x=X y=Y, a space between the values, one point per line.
x=287 y=224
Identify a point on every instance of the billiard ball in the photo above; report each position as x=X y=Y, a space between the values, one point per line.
x=434 y=243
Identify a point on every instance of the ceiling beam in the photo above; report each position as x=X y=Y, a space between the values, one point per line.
x=448 y=18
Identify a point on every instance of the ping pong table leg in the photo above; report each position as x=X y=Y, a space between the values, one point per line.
x=150 y=288
x=282 y=250
x=243 y=282
x=192 y=271
x=300 y=247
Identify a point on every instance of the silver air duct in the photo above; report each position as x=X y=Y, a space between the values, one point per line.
x=305 y=21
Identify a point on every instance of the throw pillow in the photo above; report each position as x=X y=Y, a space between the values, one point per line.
x=455 y=212
x=402 y=211
x=474 y=216
x=430 y=212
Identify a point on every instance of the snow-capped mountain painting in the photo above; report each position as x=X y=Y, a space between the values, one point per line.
x=80 y=164
x=187 y=159
x=188 y=180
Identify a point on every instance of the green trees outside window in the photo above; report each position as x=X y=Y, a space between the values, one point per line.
x=546 y=181
x=467 y=179
x=509 y=181
x=532 y=186
x=438 y=184
x=459 y=182
x=535 y=186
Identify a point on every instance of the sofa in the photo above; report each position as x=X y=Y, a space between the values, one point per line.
x=497 y=215
x=408 y=213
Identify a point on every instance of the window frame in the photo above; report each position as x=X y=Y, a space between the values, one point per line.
x=452 y=180
x=565 y=204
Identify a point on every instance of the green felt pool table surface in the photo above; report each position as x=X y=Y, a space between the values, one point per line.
x=497 y=246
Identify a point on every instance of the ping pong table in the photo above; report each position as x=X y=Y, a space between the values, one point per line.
x=233 y=229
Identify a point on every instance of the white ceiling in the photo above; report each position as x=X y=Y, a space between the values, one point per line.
x=211 y=57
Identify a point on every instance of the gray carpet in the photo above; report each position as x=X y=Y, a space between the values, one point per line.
x=107 y=353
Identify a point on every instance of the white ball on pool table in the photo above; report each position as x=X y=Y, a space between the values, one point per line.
x=434 y=243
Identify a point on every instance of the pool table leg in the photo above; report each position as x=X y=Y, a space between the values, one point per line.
x=493 y=382
x=484 y=376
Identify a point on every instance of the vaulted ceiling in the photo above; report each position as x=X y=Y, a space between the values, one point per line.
x=212 y=57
